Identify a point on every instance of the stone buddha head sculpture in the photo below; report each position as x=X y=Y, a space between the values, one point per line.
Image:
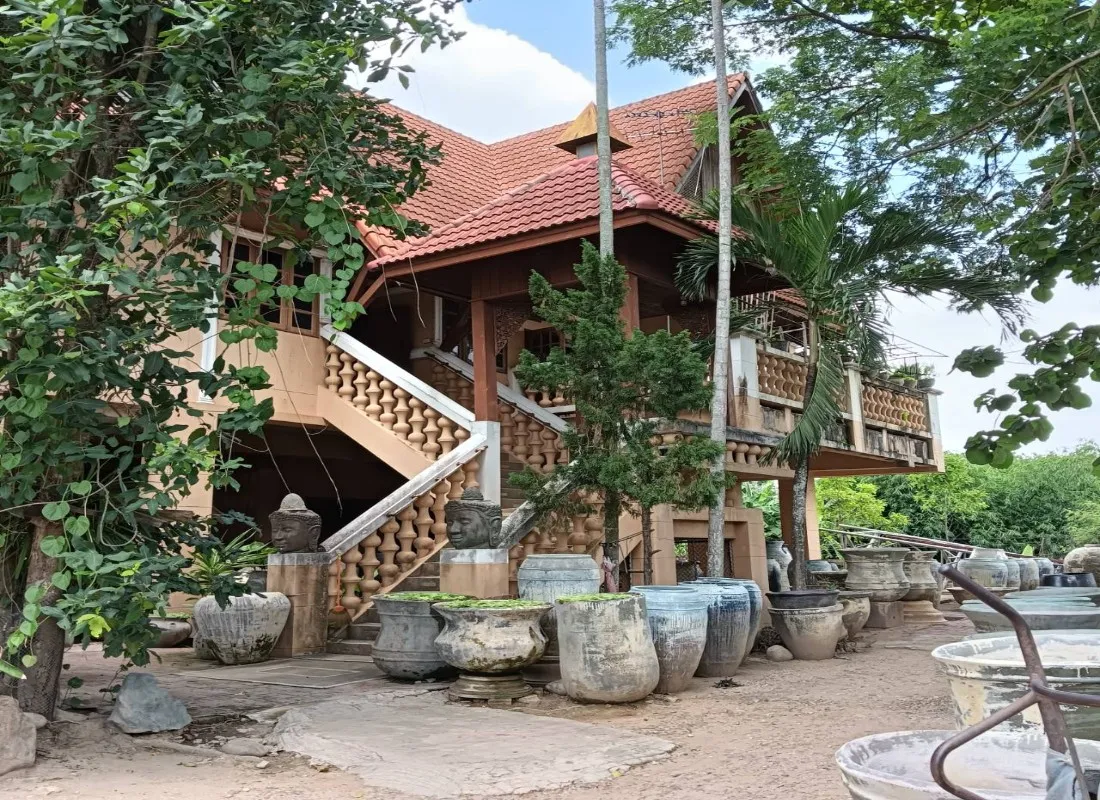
x=473 y=522
x=294 y=528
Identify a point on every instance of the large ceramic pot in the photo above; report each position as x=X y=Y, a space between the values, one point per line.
x=781 y=558
x=545 y=578
x=1069 y=579
x=878 y=570
x=856 y=610
x=1007 y=765
x=819 y=565
x=1012 y=583
x=1029 y=574
x=1084 y=559
x=607 y=655
x=729 y=628
x=405 y=648
x=810 y=634
x=803 y=598
x=491 y=637
x=991 y=573
x=1067 y=614
x=918 y=571
x=677 y=617
x=985 y=675
x=989 y=552
x=756 y=601
x=1046 y=567
x=246 y=630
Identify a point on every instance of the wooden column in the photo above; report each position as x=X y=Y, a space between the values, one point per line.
x=485 y=372
x=630 y=312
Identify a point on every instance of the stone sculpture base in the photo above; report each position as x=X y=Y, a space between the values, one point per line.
x=921 y=611
x=303 y=578
x=474 y=573
x=489 y=687
x=885 y=615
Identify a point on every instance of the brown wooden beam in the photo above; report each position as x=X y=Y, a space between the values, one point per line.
x=483 y=334
x=631 y=313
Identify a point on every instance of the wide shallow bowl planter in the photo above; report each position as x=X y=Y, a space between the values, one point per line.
x=1040 y=615
x=246 y=630
x=1029 y=574
x=1084 y=559
x=803 y=598
x=545 y=577
x=878 y=570
x=489 y=637
x=998 y=765
x=173 y=631
x=607 y=655
x=1069 y=579
x=1057 y=593
x=677 y=618
x=756 y=600
x=856 y=610
x=985 y=675
x=810 y=634
x=729 y=628
x=405 y=648
x=918 y=571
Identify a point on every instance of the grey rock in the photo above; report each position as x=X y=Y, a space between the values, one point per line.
x=556 y=687
x=778 y=652
x=37 y=720
x=18 y=737
x=244 y=747
x=144 y=707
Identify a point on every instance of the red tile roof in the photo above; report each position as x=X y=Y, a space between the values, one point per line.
x=476 y=180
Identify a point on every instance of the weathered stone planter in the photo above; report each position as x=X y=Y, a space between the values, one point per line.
x=803 y=598
x=491 y=639
x=985 y=675
x=677 y=618
x=856 y=610
x=1040 y=615
x=835 y=579
x=607 y=655
x=1084 y=559
x=1006 y=765
x=729 y=628
x=545 y=578
x=810 y=634
x=918 y=571
x=780 y=557
x=405 y=648
x=172 y=631
x=1029 y=574
x=245 y=631
x=878 y=570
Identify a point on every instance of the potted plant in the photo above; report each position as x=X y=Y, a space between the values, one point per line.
x=927 y=377
x=405 y=648
x=238 y=629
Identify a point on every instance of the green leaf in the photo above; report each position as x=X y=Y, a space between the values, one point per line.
x=80 y=488
x=314 y=219
x=29 y=660
x=61 y=580
x=53 y=546
x=55 y=511
x=21 y=181
x=11 y=671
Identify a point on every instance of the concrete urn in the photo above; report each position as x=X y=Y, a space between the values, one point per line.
x=405 y=648
x=1084 y=559
x=246 y=630
x=878 y=570
x=810 y=634
x=606 y=650
x=487 y=637
x=856 y=610
x=918 y=570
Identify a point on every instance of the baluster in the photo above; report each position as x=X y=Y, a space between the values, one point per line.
x=506 y=426
x=388 y=570
x=416 y=420
x=332 y=367
x=535 y=446
x=544 y=398
x=439 y=377
x=423 y=522
x=550 y=439
x=335 y=569
x=559 y=446
x=470 y=469
x=520 y=450
x=531 y=395
x=456 y=479
x=406 y=535
x=360 y=383
x=578 y=539
x=529 y=542
x=374 y=391
x=446 y=435
x=439 y=511
x=401 y=427
x=347 y=374
x=387 y=417
x=559 y=398
x=465 y=393
x=754 y=454
x=350 y=580
x=461 y=434
x=431 y=433
x=453 y=383
x=370 y=584
x=545 y=543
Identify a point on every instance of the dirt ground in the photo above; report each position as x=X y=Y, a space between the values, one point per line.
x=771 y=734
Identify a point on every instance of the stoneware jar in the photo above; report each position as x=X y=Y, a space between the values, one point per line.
x=488 y=637
x=545 y=577
x=1046 y=567
x=855 y=610
x=1012 y=583
x=988 y=552
x=1084 y=559
x=878 y=570
x=756 y=600
x=246 y=630
x=989 y=572
x=677 y=617
x=607 y=655
x=1029 y=574
x=405 y=648
x=810 y=634
x=729 y=631
x=918 y=570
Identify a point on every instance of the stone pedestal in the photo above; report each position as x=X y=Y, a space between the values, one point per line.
x=303 y=578
x=475 y=573
x=885 y=615
x=920 y=611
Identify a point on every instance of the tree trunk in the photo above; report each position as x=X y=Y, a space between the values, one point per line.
x=603 y=132
x=38 y=693
x=798 y=526
x=612 y=507
x=647 y=545
x=720 y=379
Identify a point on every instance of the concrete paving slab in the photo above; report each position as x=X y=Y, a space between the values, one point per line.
x=303 y=672
x=426 y=746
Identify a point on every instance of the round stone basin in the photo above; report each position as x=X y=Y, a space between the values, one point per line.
x=998 y=765
x=1075 y=613
x=985 y=675
x=1058 y=593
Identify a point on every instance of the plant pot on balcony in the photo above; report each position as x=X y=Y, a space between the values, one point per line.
x=926 y=383
x=405 y=648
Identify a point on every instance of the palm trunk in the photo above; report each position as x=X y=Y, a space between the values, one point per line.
x=38 y=693
x=717 y=521
x=647 y=545
x=802 y=467
x=603 y=131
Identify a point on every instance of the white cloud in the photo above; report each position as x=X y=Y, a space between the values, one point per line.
x=489 y=85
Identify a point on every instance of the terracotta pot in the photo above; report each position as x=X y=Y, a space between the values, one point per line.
x=878 y=570
x=246 y=630
x=607 y=655
x=1084 y=559
x=918 y=570
x=491 y=641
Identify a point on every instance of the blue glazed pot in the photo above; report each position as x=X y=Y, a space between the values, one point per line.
x=729 y=628
x=677 y=617
x=756 y=600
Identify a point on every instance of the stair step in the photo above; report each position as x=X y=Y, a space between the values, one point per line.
x=429 y=569
x=364 y=631
x=418 y=583
x=350 y=647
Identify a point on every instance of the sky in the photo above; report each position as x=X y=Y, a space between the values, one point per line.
x=526 y=64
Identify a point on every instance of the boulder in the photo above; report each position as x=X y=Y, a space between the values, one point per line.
x=143 y=706
x=17 y=737
x=778 y=652
x=244 y=747
x=37 y=720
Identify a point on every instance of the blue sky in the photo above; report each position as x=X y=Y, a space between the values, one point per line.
x=527 y=64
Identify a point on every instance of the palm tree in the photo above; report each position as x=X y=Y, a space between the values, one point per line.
x=842 y=259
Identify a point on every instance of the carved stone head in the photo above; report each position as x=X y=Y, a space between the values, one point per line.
x=473 y=523
x=294 y=528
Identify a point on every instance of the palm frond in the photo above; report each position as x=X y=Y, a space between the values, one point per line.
x=968 y=291
x=820 y=410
